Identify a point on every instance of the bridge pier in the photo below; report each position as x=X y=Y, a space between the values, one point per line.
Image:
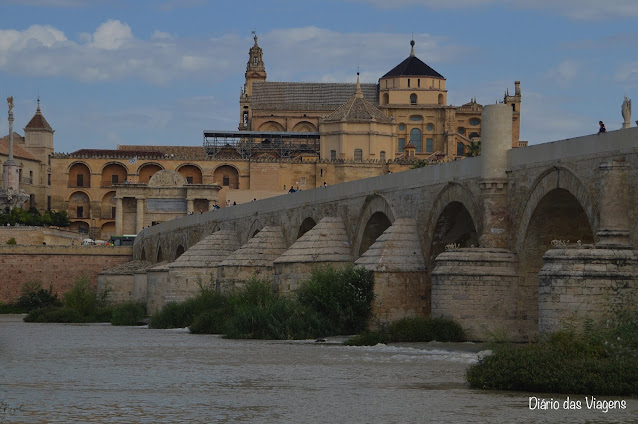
x=325 y=244
x=578 y=284
x=401 y=287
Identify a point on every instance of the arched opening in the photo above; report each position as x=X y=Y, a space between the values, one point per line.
x=79 y=175
x=107 y=230
x=271 y=126
x=454 y=226
x=474 y=135
x=143 y=255
x=304 y=126
x=255 y=233
x=179 y=251
x=113 y=173
x=441 y=99
x=107 y=206
x=79 y=205
x=160 y=256
x=386 y=98
x=191 y=173
x=415 y=138
x=412 y=99
x=227 y=176
x=375 y=226
x=306 y=226
x=558 y=216
x=145 y=172
x=382 y=156
x=358 y=155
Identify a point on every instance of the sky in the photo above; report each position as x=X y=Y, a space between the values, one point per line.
x=147 y=72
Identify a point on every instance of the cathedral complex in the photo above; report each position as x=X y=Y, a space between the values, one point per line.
x=291 y=135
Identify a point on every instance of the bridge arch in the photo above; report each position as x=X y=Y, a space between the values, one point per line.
x=306 y=225
x=559 y=207
x=179 y=251
x=455 y=218
x=557 y=177
x=376 y=216
x=255 y=228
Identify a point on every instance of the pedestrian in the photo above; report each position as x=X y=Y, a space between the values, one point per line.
x=325 y=185
x=602 y=128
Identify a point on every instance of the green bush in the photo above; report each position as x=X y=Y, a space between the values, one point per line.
x=425 y=329
x=182 y=314
x=602 y=360
x=12 y=241
x=129 y=313
x=34 y=297
x=55 y=314
x=343 y=297
x=330 y=302
x=368 y=338
x=79 y=304
x=34 y=218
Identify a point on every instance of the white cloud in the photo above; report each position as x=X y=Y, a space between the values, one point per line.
x=566 y=71
x=112 y=52
x=111 y=35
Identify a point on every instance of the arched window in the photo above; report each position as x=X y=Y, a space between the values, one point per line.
x=333 y=155
x=358 y=155
x=382 y=156
x=415 y=138
x=386 y=98
x=413 y=99
x=461 y=130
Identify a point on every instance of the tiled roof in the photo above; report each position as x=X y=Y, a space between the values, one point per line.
x=177 y=152
x=307 y=95
x=357 y=109
x=412 y=66
x=18 y=151
x=38 y=122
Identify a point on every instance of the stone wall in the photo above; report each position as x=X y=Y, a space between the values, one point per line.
x=56 y=266
x=35 y=236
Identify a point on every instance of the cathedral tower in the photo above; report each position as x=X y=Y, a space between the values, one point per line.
x=255 y=71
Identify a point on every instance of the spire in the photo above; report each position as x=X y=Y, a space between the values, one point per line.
x=358 y=92
x=412 y=50
x=38 y=109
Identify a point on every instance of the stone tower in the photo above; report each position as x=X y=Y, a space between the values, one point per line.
x=255 y=71
x=515 y=103
x=38 y=137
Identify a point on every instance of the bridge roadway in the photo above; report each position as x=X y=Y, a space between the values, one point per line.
x=515 y=240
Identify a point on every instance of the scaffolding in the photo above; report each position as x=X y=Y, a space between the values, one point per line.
x=248 y=143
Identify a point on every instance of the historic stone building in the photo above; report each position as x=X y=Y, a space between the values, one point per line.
x=412 y=96
x=291 y=135
x=31 y=153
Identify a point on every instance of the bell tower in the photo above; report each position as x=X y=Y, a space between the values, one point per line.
x=255 y=71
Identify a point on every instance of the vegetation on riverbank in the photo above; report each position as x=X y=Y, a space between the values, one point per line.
x=412 y=329
x=80 y=304
x=32 y=296
x=601 y=360
x=330 y=302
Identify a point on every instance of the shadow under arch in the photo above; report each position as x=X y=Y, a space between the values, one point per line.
x=306 y=225
x=179 y=251
x=557 y=177
x=376 y=216
x=462 y=221
x=143 y=254
x=160 y=256
x=255 y=228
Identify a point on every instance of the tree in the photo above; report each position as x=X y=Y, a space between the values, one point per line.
x=474 y=149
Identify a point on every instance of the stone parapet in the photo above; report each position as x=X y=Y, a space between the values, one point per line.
x=580 y=284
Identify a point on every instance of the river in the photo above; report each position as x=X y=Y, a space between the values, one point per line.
x=97 y=373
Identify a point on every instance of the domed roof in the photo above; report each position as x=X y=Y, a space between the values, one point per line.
x=412 y=67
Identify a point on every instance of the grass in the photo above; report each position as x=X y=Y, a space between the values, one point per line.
x=330 y=302
x=601 y=360
x=412 y=329
x=79 y=304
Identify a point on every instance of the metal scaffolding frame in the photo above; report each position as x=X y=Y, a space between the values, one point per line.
x=247 y=143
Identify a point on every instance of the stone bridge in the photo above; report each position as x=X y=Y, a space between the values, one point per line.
x=515 y=241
